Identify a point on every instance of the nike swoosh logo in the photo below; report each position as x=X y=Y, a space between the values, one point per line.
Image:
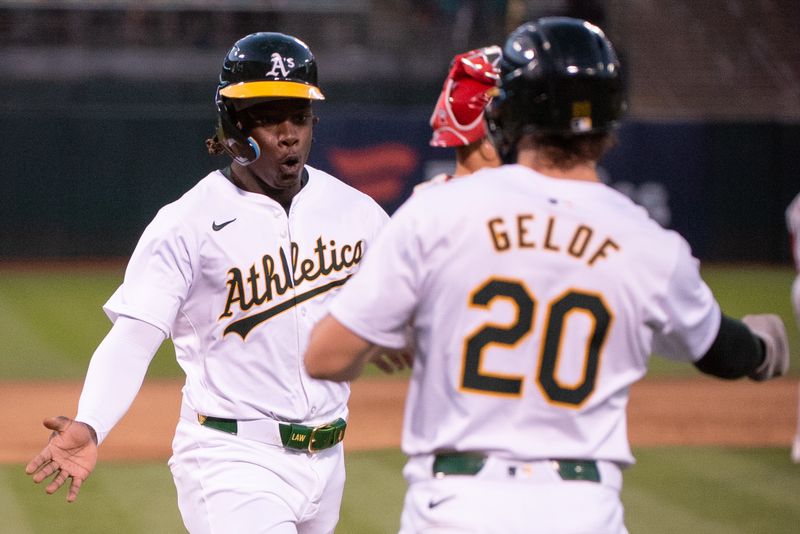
x=433 y=504
x=217 y=227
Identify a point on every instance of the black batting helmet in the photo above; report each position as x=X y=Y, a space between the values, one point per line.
x=261 y=66
x=558 y=75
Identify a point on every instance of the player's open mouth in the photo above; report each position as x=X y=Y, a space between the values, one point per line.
x=290 y=162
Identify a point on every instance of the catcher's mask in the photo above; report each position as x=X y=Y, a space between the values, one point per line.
x=457 y=119
x=558 y=75
x=260 y=66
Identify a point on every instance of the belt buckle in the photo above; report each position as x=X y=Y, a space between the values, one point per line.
x=311 y=437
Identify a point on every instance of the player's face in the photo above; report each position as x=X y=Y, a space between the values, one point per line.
x=283 y=130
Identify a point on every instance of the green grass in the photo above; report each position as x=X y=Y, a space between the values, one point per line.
x=124 y=498
x=52 y=320
x=712 y=491
x=373 y=493
x=702 y=490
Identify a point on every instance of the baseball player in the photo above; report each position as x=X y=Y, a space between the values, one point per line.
x=236 y=272
x=537 y=295
x=457 y=120
x=793 y=225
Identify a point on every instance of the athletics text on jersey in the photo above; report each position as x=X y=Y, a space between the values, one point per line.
x=270 y=279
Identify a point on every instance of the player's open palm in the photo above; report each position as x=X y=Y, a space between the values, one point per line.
x=70 y=453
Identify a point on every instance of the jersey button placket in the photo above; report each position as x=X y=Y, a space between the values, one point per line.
x=283 y=225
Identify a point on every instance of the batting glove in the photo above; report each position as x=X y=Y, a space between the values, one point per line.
x=770 y=329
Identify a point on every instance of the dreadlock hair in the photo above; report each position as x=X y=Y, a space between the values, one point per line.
x=214 y=147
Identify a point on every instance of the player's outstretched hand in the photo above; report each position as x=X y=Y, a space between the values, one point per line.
x=770 y=329
x=390 y=361
x=70 y=453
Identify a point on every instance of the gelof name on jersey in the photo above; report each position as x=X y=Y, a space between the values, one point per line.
x=524 y=231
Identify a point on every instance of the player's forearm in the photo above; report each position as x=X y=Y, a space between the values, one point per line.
x=336 y=353
x=736 y=351
x=116 y=373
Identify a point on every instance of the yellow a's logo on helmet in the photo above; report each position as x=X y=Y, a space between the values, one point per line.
x=581 y=116
x=278 y=65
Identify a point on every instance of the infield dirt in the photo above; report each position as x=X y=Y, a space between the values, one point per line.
x=697 y=411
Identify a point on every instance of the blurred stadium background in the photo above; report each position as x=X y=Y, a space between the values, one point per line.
x=106 y=104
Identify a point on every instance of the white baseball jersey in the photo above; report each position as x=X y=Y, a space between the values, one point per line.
x=536 y=303
x=238 y=284
x=793 y=225
x=440 y=178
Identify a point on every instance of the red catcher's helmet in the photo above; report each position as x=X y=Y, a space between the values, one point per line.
x=472 y=81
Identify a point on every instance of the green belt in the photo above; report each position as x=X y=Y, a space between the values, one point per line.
x=217 y=423
x=312 y=438
x=472 y=463
x=293 y=436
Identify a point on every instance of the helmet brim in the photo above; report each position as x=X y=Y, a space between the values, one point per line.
x=272 y=89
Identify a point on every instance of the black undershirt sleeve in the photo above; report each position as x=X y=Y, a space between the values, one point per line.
x=736 y=352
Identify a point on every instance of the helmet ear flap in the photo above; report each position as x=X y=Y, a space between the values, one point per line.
x=499 y=132
x=242 y=148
